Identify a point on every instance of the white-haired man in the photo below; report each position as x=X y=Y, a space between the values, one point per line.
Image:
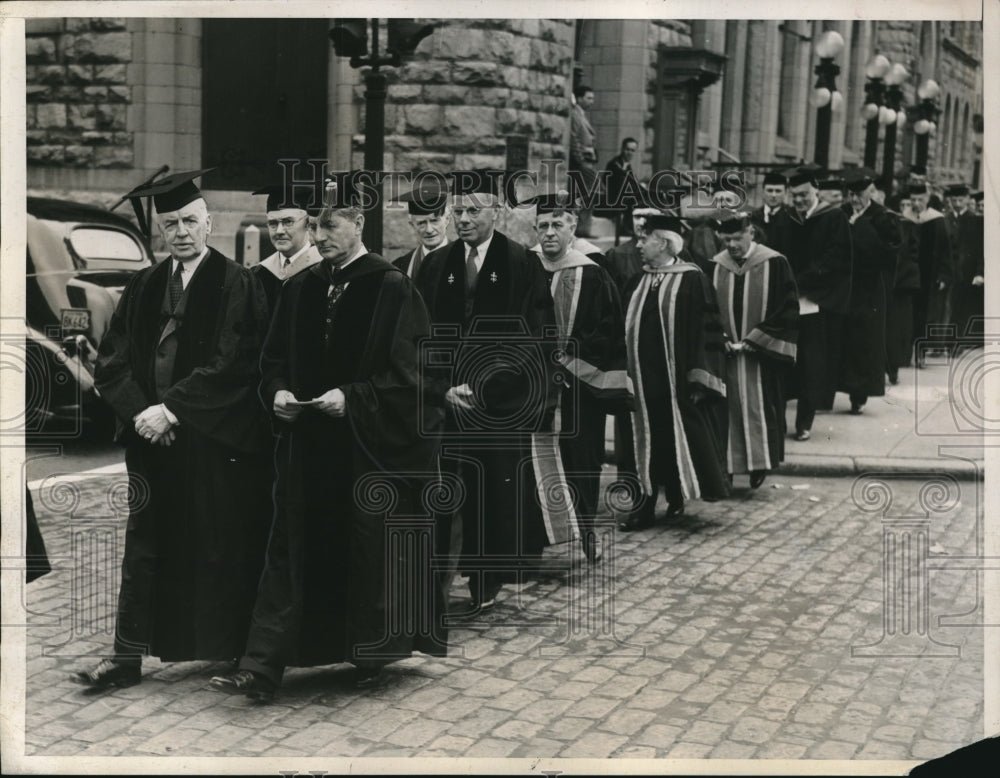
x=179 y=367
x=676 y=361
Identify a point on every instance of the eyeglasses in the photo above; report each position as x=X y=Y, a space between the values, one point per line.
x=287 y=223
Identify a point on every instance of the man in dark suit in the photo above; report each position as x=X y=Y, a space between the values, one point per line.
x=967 y=243
x=427 y=204
x=179 y=367
x=493 y=316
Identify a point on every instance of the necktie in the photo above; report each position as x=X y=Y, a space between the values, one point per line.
x=285 y=262
x=176 y=287
x=471 y=271
x=332 y=296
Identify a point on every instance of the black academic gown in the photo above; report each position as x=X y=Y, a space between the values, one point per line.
x=967 y=299
x=904 y=283
x=675 y=349
x=500 y=342
x=930 y=306
x=200 y=508
x=818 y=249
x=759 y=307
x=592 y=336
x=762 y=224
x=875 y=242
x=349 y=574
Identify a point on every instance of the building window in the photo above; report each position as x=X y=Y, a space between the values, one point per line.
x=264 y=93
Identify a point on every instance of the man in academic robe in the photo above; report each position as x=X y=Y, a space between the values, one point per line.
x=493 y=338
x=759 y=307
x=427 y=204
x=968 y=252
x=773 y=194
x=288 y=212
x=591 y=335
x=875 y=242
x=346 y=580
x=179 y=367
x=903 y=283
x=676 y=360
x=815 y=237
x=934 y=258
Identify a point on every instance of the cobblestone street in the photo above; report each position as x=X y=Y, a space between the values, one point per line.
x=748 y=629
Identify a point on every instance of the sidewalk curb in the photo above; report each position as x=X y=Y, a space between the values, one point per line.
x=826 y=465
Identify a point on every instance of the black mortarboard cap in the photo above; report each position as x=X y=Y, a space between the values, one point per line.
x=804 y=174
x=736 y=222
x=831 y=182
x=956 y=190
x=301 y=196
x=169 y=194
x=479 y=181
x=977 y=196
x=918 y=187
x=663 y=222
x=548 y=202
x=426 y=198
x=773 y=177
x=858 y=179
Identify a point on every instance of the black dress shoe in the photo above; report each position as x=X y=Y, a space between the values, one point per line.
x=857 y=409
x=256 y=686
x=803 y=435
x=757 y=478
x=675 y=509
x=894 y=377
x=110 y=674
x=369 y=678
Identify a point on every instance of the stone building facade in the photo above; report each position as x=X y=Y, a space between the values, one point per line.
x=109 y=101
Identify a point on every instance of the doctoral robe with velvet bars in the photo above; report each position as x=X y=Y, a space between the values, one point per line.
x=675 y=350
x=591 y=334
x=758 y=303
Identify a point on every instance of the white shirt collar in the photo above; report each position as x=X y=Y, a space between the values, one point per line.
x=359 y=253
x=809 y=213
x=285 y=261
x=188 y=267
x=481 y=250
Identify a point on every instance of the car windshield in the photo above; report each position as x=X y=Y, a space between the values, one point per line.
x=100 y=243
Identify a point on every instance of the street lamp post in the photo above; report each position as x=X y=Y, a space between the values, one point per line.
x=825 y=97
x=874 y=87
x=350 y=39
x=927 y=111
x=893 y=118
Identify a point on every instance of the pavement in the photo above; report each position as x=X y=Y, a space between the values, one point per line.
x=770 y=626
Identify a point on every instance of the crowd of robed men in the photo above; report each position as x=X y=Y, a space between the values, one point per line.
x=317 y=445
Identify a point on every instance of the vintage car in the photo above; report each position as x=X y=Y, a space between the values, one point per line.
x=79 y=259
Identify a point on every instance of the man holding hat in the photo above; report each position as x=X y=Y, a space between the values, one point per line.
x=875 y=243
x=179 y=368
x=289 y=209
x=493 y=314
x=591 y=336
x=340 y=374
x=934 y=258
x=968 y=251
x=816 y=239
x=676 y=361
x=427 y=204
x=759 y=307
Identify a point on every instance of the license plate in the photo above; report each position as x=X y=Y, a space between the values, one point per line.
x=75 y=319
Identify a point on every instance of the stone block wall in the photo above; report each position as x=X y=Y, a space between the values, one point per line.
x=470 y=85
x=78 y=93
